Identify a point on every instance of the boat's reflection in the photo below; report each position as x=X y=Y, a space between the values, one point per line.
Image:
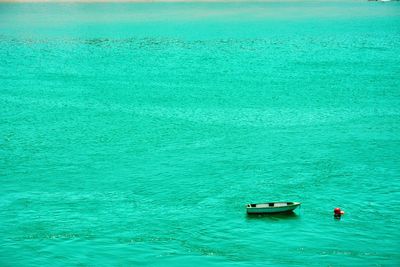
x=273 y=216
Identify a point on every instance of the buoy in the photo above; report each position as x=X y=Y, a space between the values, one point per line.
x=338 y=212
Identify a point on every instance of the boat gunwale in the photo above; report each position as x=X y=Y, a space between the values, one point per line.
x=266 y=205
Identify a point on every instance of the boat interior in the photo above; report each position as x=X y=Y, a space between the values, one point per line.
x=270 y=204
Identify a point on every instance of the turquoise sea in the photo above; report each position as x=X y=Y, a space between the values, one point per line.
x=134 y=134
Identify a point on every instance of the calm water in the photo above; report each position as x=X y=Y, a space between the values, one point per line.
x=134 y=134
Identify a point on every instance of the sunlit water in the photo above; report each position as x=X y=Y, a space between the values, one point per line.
x=134 y=134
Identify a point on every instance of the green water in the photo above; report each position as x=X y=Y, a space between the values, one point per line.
x=134 y=134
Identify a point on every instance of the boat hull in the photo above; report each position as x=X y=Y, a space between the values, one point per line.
x=266 y=209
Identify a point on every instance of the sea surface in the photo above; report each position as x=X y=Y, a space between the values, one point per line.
x=134 y=134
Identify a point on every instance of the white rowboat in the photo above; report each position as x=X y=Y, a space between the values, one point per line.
x=271 y=207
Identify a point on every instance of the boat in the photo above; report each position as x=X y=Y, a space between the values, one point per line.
x=271 y=207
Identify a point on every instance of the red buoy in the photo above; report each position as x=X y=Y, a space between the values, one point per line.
x=338 y=212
